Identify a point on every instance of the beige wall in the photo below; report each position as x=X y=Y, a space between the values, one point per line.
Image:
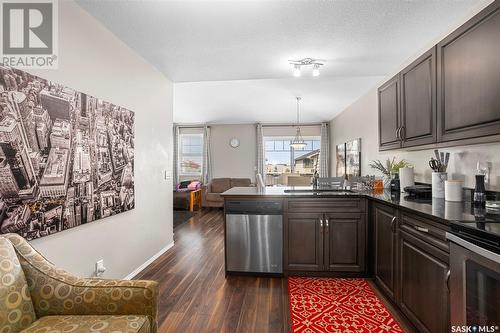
x=233 y=162
x=360 y=121
x=94 y=61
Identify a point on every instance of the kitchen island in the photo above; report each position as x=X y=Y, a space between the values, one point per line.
x=400 y=242
x=459 y=213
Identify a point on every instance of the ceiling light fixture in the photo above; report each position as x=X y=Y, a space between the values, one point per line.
x=298 y=141
x=297 y=64
x=315 y=70
x=296 y=70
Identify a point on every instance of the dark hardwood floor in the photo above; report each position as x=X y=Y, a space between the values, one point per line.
x=195 y=296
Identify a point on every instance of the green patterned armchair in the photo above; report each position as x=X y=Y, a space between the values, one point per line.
x=35 y=296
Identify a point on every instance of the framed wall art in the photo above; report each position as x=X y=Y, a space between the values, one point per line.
x=66 y=158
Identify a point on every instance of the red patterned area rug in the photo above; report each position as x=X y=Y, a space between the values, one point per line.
x=337 y=305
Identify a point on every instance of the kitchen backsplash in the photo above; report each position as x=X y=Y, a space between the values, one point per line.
x=462 y=165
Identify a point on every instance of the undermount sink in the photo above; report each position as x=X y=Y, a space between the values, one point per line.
x=323 y=190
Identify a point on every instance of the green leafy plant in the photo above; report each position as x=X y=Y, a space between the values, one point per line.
x=390 y=167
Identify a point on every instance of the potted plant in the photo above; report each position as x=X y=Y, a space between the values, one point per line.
x=390 y=168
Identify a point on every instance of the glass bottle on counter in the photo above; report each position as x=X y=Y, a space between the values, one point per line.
x=395 y=182
x=479 y=192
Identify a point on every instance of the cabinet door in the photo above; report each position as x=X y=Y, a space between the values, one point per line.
x=345 y=242
x=384 y=220
x=469 y=78
x=418 y=101
x=304 y=242
x=424 y=284
x=388 y=115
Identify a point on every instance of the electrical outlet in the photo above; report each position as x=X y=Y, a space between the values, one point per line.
x=99 y=267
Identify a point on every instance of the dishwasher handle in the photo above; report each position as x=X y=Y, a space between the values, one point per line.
x=254 y=207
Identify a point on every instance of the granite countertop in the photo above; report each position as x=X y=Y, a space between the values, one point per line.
x=446 y=212
x=282 y=191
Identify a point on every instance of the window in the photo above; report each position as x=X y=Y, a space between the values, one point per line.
x=190 y=154
x=308 y=163
x=283 y=162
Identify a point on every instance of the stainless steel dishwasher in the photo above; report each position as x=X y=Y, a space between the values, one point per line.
x=254 y=236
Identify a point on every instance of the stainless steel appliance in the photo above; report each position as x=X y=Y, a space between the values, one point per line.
x=254 y=236
x=475 y=276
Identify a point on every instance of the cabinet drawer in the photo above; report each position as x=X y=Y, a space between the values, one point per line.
x=326 y=205
x=425 y=230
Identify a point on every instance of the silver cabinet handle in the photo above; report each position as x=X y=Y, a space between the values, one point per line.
x=321 y=223
x=402 y=133
x=421 y=229
x=327 y=222
x=393 y=223
x=448 y=280
x=397 y=133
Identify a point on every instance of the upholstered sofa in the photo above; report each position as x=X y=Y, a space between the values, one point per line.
x=38 y=297
x=212 y=191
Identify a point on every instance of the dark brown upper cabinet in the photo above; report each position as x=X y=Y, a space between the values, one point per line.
x=448 y=94
x=469 y=78
x=388 y=107
x=418 y=101
x=407 y=105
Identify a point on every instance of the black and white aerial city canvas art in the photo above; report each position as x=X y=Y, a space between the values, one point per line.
x=66 y=158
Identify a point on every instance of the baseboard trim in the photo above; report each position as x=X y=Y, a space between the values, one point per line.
x=148 y=262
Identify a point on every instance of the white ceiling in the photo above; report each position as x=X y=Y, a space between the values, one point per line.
x=239 y=49
x=267 y=101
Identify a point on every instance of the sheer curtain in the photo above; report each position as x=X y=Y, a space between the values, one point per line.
x=175 y=142
x=324 y=153
x=261 y=168
x=207 y=153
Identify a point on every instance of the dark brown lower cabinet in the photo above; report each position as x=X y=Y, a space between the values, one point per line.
x=344 y=243
x=385 y=243
x=411 y=266
x=325 y=242
x=423 y=283
x=304 y=242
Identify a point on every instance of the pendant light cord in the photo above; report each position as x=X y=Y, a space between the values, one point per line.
x=298 y=100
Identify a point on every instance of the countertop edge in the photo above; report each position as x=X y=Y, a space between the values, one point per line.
x=353 y=195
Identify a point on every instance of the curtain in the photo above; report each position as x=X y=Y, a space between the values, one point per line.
x=206 y=175
x=261 y=161
x=324 y=153
x=175 y=159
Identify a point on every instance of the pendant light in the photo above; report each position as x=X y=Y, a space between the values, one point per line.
x=298 y=141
